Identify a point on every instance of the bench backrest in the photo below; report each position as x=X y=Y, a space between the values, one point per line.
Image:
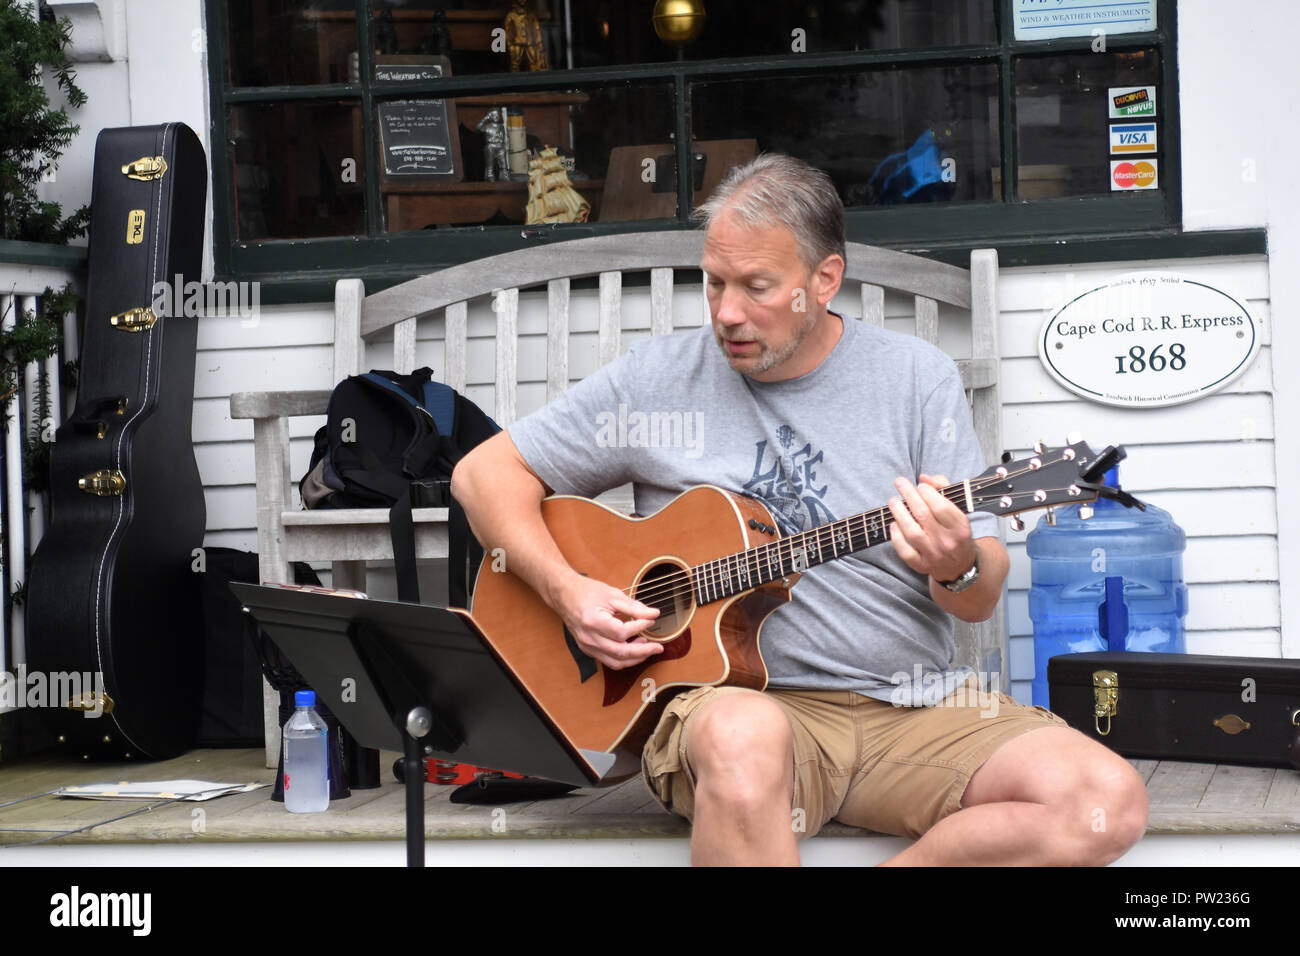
x=872 y=270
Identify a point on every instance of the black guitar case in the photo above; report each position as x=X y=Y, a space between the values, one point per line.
x=113 y=610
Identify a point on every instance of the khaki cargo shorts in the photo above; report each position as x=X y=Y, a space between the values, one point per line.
x=859 y=761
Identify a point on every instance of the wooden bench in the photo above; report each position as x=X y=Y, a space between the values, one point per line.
x=382 y=330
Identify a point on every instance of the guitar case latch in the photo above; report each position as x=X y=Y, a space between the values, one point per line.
x=1105 y=690
x=146 y=168
x=134 y=320
x=107 y=483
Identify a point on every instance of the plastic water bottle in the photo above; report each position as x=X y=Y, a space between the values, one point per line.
x=306 y=757
x=1112 y=582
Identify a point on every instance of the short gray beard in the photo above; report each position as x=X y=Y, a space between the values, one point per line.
x=770 y=358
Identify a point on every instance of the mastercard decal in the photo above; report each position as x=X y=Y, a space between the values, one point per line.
x=1134 y=174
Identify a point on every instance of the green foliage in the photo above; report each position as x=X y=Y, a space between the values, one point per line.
x=33 y=136
x=34 y=338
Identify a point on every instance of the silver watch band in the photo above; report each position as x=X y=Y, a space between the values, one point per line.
x=966 y=580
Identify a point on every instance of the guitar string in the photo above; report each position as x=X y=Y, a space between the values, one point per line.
x=675 y=582
x=679 y=580
x=672 y=586
x=718 y=575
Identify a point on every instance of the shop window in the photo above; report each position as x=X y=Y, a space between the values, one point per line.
x=1074 y=139
x=404 y=123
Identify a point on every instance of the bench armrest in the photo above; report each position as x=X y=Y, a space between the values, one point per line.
x=278 y=404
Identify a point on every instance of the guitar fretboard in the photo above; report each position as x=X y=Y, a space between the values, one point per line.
x=734 y=573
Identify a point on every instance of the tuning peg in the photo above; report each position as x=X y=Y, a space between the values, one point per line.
x=1039 y=447
x=1017 y=524
x=1074 y=438
x=1051 y=517
x=1006 y=457
x=1085 y=512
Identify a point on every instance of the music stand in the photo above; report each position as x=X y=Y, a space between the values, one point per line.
x=421 y=680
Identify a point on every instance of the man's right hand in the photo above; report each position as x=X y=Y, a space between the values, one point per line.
x=605 y=622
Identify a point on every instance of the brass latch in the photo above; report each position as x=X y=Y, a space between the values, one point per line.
x=93 y=702
x=105 y=483
x=146 y=168
x=134 y=320
x=1105 y=693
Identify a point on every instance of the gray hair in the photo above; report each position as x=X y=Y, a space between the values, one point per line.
x=778 y=190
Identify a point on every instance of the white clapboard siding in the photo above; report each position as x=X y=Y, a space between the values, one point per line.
x=250 y=369
x=1219 y=417
x=228 y=463
x=1236 y=642
x=1031 y=289
x=1209 y=463
x=1239 y=464
x=288 y=347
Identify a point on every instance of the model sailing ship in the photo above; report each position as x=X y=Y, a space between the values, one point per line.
x=551 y=197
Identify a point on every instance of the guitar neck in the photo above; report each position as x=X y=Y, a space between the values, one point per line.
x=734 y=573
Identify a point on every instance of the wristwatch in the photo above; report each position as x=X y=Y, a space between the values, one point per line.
x=966 y=580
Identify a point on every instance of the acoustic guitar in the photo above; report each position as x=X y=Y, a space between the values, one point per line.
x=715 y=565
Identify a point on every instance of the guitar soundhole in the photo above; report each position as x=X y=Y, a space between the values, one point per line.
x=667 y=587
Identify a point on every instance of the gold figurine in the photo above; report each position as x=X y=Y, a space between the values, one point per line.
x=524 y=38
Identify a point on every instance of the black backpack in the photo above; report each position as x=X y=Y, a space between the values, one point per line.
x=391 y=441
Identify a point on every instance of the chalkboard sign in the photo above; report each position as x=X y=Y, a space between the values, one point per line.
x=418 y=137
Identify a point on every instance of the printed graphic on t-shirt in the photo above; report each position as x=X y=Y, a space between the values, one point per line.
x=786 y=480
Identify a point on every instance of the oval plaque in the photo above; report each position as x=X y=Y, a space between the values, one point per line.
x=1148 y=339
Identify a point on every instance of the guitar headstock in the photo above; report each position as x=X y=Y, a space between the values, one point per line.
x=1068 y=475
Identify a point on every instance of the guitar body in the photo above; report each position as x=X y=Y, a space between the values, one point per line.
x=615 y=711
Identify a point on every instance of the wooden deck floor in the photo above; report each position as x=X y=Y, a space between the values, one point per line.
x=1186 y=798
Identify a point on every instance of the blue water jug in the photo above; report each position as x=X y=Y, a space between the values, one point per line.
x=1113 y=581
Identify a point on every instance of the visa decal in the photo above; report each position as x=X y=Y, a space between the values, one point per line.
x=1133 y=138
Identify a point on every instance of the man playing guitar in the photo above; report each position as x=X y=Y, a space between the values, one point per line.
x=864 y=720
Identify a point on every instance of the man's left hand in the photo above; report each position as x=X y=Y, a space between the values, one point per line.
x=930 y=533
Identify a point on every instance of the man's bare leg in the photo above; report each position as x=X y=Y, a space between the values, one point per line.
x=742 y=752
x=1048 y=797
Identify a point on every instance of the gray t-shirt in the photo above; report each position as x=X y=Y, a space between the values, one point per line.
x=671 y=414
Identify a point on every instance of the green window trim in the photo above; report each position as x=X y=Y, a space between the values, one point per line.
x=1026 y=232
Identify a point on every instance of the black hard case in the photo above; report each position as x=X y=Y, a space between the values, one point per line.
x=112 y=586
x=1182 y=706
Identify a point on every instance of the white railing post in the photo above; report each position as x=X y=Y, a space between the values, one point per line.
x=24 y=512
x=14 y=505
